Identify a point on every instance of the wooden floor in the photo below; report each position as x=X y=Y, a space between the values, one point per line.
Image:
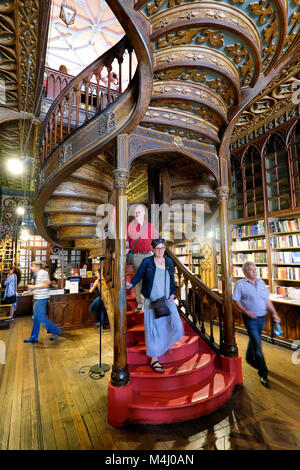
x=49 y=401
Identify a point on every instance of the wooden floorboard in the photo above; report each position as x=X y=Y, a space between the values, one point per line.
x=48 y=401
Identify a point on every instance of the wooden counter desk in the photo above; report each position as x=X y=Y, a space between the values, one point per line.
x=67 y=311
x=289 y=313
x=24 y=305
x=71 y=311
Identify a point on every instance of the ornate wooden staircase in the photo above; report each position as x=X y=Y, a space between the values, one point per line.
x=200 y=64
x=198 y=377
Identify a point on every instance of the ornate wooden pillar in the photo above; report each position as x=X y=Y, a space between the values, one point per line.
x=229 y=346
x=153 y=190
x=120 y=373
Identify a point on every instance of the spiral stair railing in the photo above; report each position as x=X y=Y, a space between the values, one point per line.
x=85 y=117
x=201 y=307
x=63 y=116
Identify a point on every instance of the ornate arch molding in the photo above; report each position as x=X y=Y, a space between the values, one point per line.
x=291 y=129
x=244 y=153
x=270 y=136
x=145 y=142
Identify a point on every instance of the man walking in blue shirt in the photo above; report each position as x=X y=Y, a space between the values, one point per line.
x=251 y=296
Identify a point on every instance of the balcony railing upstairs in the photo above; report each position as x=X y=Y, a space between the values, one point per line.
x=83 y=97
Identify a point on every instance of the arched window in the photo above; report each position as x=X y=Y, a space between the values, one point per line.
x=277 y=175
x=295 y=147
x=254 y=204
x=236 y=204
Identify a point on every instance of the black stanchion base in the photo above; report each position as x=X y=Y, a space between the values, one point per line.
x=97 y=369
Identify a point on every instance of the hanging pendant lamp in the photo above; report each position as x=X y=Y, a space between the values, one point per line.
x=67 y=13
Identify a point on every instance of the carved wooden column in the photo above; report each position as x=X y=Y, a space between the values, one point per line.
x=120 y=373
x=153 y=190
x=229 y=346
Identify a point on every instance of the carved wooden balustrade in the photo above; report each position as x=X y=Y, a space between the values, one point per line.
x=56 y=81
x=83 y=97
x=200 y=307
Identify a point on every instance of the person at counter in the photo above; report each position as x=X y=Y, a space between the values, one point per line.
x=53 y=283
x=97 y=307
x=11 y=284
x=40 y=292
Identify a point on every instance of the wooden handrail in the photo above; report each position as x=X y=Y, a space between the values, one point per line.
x=201 y=308
x=82 y=98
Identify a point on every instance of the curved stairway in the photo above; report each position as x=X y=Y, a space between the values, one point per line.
x=196 y=381
x=199 y=65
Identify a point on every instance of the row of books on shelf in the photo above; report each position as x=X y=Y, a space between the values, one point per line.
x=249 y=230
x=288 y=292
x=292 y=225
x=252 y=244
x=183 y=259
x=196 y=270
x=260 y=257
x=287 y=273
x=285 y=241
x=262 y=272
x=179 y=250
x=286 y=257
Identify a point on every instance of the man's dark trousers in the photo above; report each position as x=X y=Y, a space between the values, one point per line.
x=254 y=354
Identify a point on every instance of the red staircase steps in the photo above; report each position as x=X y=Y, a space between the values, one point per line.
x=184 y=403
x=194 y=369
x=183 y=349
x=196 y=381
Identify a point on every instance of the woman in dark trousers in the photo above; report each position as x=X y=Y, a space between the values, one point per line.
x=97 y=307
x=11 y=284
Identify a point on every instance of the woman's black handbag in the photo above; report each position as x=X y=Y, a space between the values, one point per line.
x=160 y=306
x=10 y=300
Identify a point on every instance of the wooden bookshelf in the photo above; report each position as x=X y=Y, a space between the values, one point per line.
x=266 y=187
x=285 y=243
x=249 y=244
x=190 y=255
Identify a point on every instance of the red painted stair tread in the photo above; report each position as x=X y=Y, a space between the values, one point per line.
x=198 y=360
x=196 y=380
x=186 y=396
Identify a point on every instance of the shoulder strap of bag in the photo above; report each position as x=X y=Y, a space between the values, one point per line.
x=143 y=228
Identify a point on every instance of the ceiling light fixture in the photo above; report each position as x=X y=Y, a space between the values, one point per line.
x=24 y=234
x=20 y=210
x=67 y=13
x=15 y=166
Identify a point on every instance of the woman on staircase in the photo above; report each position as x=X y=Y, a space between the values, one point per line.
x=157 y=275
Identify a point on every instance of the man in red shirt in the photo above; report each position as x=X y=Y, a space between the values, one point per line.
x=143 y=246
